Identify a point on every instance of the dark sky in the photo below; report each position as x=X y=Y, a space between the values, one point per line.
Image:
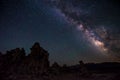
x=23 y=22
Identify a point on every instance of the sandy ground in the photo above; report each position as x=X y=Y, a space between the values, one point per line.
x=92 y=77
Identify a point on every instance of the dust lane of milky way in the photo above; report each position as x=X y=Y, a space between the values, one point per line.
x=82 y=15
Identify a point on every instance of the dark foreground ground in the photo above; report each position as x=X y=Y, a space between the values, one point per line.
x=68 y=76
x=90 y=72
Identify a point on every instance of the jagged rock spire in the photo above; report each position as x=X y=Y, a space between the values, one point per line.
x=36 y=46
x=37 y=60
x=37 y=50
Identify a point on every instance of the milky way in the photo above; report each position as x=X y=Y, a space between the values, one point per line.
x=80 y=13
x=92 y=38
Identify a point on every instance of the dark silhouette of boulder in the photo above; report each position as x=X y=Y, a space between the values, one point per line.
x=55 y=68
x=65 y=68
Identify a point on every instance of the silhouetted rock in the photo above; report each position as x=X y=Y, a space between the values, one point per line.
x=83 y=70
x=37 y=61
x=55 y=68
x=65 y=68
x=14 y=64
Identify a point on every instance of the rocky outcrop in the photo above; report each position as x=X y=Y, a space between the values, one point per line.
x=55 y=68
x=83 y=70
x=15 y=64
x=37 y=61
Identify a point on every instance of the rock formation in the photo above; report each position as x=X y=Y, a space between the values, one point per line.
x=83 y=69
x=37 y=60
x=55 y=68
x=16 y=65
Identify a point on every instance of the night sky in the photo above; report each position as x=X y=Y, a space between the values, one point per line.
x=70 y=30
